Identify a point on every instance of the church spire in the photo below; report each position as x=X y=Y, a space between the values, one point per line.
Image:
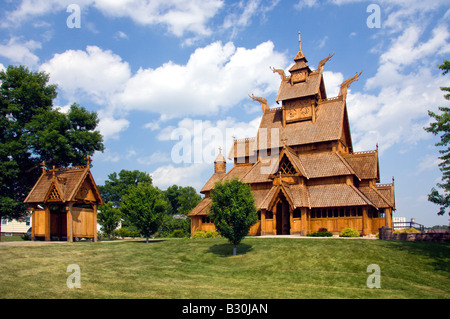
x=299 y=41
x=300 y=56
x=220 y=164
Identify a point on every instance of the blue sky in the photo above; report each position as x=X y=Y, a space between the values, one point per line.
x=153 y=69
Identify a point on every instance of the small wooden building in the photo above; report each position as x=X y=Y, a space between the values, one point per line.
x=64 y=204
x=301 y=166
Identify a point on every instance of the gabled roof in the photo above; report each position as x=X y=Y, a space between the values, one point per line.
x=329 y=126
x=67 y=183
x=376 y=197
x=337 y=195
x=309 y=87
x=365 y=164
x=325 y=164
x=202 y=208
x=210 y=183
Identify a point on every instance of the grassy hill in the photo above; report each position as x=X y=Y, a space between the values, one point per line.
x=204 y=268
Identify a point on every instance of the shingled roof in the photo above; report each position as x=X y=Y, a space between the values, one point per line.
x=329 y=126
x=288 y=90
x=64 y=185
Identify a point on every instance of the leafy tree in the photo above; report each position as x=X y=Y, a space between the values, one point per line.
x=31 y=131
x=442 y=127
x=233 y=210
x=171 y=196
x=109 y=218
x=181 y=200
x=187 y=200
x=120 y=184
x=144 y=207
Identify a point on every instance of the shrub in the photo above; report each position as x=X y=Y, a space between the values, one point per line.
x=349 y=232
x=199 y=234
x=212 y=234
x=320 y=233
x=178 y=233
x=205 y=234
x=407 y=230
x=26 y=236
x=125 y=232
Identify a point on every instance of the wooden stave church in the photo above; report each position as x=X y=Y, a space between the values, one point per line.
x=64 y=203
x=318 y=182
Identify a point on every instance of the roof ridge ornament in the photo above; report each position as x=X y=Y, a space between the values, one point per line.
x=280 y=72
x=261 y=100
x=88 y=161
x=346 y=84
x=323 y=61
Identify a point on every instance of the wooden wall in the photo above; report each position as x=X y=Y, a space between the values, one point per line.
x=83 y=223
x=38 y=223
x=304 y=225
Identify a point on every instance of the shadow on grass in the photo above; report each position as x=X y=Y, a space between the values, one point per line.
x=226 y=250
x=438 y=252
x=141 y=241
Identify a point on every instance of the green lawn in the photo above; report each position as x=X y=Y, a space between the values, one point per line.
x=205 y=268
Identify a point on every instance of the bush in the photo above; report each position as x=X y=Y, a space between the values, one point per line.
x=349 y=232
x=199 y=234
x=26 y=236
x=205 y=234
x=212 y=234
x=178 y=233
x=407 y=230
x=320 y=234
x=125 y=232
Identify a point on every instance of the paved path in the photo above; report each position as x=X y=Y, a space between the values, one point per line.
x=29 y=242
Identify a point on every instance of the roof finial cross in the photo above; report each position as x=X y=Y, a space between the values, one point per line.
x=299 y=41
x=88 y=161
x=220 y=149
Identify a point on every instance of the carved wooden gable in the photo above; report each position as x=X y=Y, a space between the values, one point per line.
x=86 y=192
x=53 y=194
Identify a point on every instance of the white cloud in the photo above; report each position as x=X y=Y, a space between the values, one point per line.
x=216 y=76
x=187 y=175
x=18 y=51
x=110 y=127
x=94 y=72
x=408 y=84
x=428 y=162
x=177 y=16
x=306 y=4
x=121 y=35
x=203 y=140
x=107 y=156
x=333 y=81
x=155 y=158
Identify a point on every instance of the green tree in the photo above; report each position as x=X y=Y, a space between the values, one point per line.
x=188 y=198
x=181 y=200
x=442 y=127
x=109 y=218
x=144 y=207
x=233 y=210
x=120 y=184
x=31 y=131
